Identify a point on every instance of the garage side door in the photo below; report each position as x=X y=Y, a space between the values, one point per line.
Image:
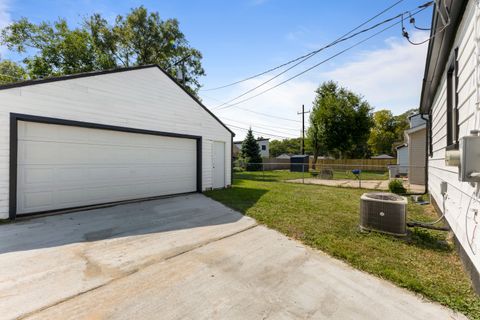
x=65 y=166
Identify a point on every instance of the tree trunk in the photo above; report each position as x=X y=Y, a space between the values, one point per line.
x=315 y=156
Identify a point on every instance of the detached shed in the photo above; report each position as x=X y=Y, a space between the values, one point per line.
x=104 y=137
x=383 y=156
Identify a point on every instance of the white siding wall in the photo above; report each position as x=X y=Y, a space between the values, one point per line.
x=402 y=159
x=416 y=157
x=144 y=98
x=264 y=153
x=416 y=121
x=460 y=201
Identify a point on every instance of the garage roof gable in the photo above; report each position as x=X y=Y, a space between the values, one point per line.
x=97 y=73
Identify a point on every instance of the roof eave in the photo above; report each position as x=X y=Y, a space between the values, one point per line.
x=439 y=49
x=101 y=72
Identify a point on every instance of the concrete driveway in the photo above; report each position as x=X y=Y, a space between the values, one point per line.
x=186 y=257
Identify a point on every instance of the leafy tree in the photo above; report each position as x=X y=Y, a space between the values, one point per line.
x=11 y=72
x=136 y=39
x=388 y=131
x=250 y=152
x=402 y=123
x=143 y=38
x=56 y=48
x=383 y=133
x=342 y=120
x=289 y=146
x=315 y=142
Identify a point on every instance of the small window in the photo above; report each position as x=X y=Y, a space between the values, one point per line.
x=264 y=147
x=452 y=103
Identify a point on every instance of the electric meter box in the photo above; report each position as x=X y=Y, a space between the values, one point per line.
x=470 y=158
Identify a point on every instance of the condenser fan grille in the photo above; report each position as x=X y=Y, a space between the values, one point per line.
x=383 y=212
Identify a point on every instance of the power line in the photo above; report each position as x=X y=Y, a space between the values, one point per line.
x=308 y=55
x=339 y=40
x=259 y=132
x=264 y=126
x=275 y=131
x=318 y=64
x=268 y=115
x=433 y=34
x=303 y=127
x=342 y=39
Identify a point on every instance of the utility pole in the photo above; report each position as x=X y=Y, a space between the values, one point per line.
x=303 y=128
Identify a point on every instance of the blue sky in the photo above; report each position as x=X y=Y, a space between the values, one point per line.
x=241 y=38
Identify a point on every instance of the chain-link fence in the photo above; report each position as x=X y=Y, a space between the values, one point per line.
x=366 y=176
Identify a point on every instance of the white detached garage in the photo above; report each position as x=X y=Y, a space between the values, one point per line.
x=103 y=137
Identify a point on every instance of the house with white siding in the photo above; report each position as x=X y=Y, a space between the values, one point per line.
x=106 y=137
x=263 y=144
x=402 y=159
x=417 y=150
x=450 y=99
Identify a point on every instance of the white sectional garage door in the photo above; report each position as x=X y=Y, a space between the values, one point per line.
x=61 y=166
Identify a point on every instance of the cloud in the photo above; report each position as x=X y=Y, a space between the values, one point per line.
x=5 y=18
x=297 y=34
x=283 y=102
x=4 y=13
x=388 y=78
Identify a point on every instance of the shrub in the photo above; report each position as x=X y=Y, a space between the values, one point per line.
x=314 y=173
x=396 y=186
x=238 y=169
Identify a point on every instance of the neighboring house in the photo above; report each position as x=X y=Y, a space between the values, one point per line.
x=415 y=137
x=264 y=147
x=103 y=137
x=411 y=155
x=383 y=156
x=262 y=143
x=402 y=159
x=284 y=156
x=450 y=97
x=235 y=152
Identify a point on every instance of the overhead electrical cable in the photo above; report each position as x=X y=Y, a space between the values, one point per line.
x=341 y=39
x=260 y=132
x=439 y=30
x=276 y=129
x=320 y=63
x=268 y=115
x=308 y=55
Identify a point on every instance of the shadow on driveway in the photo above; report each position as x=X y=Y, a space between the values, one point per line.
x=162 y=215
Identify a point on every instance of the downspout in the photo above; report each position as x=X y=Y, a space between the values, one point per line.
x=231 y=161
x=477 y=64
x=427 y=147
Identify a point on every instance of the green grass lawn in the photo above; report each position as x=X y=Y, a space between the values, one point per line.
x=327 y=218
x=280 y=175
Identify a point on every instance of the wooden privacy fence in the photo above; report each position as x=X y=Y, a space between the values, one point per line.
x=350 y=164
x=276 y=164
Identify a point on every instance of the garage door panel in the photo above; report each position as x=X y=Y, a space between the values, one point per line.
x=63 y=166
x=37 y=175
x=37 y=199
